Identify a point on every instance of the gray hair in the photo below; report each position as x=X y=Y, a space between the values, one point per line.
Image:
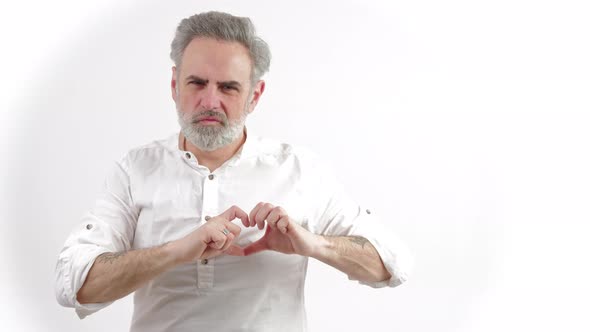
x=222 y=26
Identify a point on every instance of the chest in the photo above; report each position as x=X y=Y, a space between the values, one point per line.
x=174 y=203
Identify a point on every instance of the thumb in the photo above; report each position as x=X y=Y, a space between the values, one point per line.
x=234 y=250
x=258 y=246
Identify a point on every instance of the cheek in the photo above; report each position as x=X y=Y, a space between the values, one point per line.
x=187 y=101
x=239 y=109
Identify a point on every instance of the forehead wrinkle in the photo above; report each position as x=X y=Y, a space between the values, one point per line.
x=222 y=57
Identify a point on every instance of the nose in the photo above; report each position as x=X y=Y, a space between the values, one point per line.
x=210 y=98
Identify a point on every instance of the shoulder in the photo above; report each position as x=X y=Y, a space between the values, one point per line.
x=151 y=153
x=268 y=148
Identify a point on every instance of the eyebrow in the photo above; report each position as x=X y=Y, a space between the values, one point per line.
x=195 y=78
x=202 y=80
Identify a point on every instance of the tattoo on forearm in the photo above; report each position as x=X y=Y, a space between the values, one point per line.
x=361 y=241
x=110 y=257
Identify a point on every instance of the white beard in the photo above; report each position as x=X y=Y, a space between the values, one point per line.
x=209 y=138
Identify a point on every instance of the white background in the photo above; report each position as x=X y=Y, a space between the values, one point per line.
x=464 y=124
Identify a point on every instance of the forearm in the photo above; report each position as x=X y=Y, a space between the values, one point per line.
x=355 y=256
x=115 y=275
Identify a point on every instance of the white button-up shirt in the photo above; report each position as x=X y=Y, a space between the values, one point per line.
x=158 y=193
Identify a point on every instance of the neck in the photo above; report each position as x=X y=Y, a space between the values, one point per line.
x=212 y=159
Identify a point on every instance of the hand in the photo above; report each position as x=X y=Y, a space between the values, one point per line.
x=212 y=239
x=282 y=233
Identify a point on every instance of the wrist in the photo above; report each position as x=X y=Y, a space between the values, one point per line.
x=171 y=253
x=320 y=248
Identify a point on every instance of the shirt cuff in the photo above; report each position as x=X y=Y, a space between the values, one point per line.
x=83 y=310
x=395 y=257
x=71 y=272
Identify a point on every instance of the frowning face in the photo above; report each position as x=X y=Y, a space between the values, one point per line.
x=213 y=92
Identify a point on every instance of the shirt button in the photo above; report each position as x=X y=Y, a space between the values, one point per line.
x=89 y=226
x=207 y=218
x=211 y=176
x=188 y=155
x=204 y=261
x=368 y=211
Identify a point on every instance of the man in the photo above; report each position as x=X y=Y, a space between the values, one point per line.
x=164 y=227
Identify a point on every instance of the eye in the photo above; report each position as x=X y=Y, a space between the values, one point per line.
x=198 y=83
x=227 y=87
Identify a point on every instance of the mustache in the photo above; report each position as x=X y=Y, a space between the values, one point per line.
x=219 y=116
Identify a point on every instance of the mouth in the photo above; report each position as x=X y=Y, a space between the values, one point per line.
x=208 y=120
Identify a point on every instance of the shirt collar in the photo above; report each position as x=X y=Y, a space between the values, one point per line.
x=248 y=149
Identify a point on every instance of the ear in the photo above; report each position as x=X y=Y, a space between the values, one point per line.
x=256 y=93
x=174 y=85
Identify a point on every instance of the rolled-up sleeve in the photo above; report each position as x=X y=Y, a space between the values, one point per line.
x=395 y=255
x=108 y=227
x=337 y=214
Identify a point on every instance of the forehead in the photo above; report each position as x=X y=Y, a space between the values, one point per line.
x=216 y=60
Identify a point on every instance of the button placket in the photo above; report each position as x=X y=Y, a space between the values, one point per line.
x=206 y=267
x=210 y=195
x=205 y=271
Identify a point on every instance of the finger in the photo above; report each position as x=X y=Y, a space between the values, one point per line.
x=218 y=244
x=228 y=241
x=235 y=212
x=283 y=224
x=217 y=239
x=228 y=230
x=234 y=250
x=220 y=224
x=233 y=228
x=273 y=217
x=254 y=212
x=256 y=247
x=263 y=214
